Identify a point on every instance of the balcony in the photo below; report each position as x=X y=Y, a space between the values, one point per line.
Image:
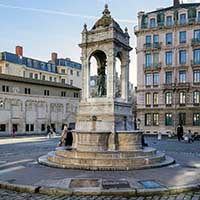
x=183 y=86
x=152 y=46
x=169 y=86
x=152 y=66
x=195 y=42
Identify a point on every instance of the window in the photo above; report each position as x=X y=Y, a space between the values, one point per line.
x=71 y=82
x=155 y=119
x=147 y=119
x=197 y=35
x=36 y=76
x=169 y=21
x=63 y=81
x=182 y=98
x=2 y=128
x=63 y=94
x=156 y=60
x=29 y=127
x=43 y=128
x=182 y=76
x=182 y=118
x=168 y=77
x=168 y=58
x=168 y=38
x=196 y=119
x=197 y=56
x=148 y=60
x=62 y=71
x=5 y=88
x=50 y=78
x=168 y=98
x=32 y=127
x=196 y=97
x=182 y=37
x=155 y=39
x=76 y=94
x=183 y=19
x=168 y=119
x=182 y=57
x=71 y=72
x=43 y=77
x=55 y=79
x=148 y=79
x=156 y=79
x=27 y=90
x=152 y=23
x=46 y=92
x=78 y=73
x=148 y=39
x=155 y=99
x=198 y=16
x=148 y=99
x=30 y=75
x=196 y=76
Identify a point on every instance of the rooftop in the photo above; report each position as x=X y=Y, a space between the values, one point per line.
x=183 y=5
x=36 y=82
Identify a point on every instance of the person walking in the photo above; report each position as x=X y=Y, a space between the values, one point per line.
x=13 y=132
x=180 y=132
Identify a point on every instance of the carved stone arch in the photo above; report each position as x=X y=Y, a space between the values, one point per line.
x=97 y=71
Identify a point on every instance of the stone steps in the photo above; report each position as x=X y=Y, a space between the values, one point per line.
x=158 y=160
x=106 y=155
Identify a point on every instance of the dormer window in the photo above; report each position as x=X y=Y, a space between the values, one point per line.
x=182 y=19
x=169 y=21
x=152 y=23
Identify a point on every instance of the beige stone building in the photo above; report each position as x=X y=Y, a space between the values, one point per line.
x=59 y=70
x=168 y=55
x=30 y=105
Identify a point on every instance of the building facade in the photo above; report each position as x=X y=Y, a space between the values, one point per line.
x=168 y=55
x=30 y=105
x=57 y=70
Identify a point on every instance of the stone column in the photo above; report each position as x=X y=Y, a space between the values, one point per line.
x=110 y=77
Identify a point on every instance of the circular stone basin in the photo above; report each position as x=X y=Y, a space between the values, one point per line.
x=129 y=140
x=92 y=141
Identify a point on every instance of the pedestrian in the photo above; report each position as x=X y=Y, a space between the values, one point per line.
x=188 y=137
x=49 y=132
x=69 y=138
x=13 y=132
x=63 y=136
x=180 y=132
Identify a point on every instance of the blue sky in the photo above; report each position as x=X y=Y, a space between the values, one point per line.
x=45 y=26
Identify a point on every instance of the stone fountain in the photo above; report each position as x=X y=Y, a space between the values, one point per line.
x=105 y=138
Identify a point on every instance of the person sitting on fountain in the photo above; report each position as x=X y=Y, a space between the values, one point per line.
x=63 y=136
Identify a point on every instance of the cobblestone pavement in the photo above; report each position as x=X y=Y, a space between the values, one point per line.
x=20 y=157
x=10 y=195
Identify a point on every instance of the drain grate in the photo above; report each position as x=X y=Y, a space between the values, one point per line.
x=115 y=184
x=84 y=183
x=150 y=184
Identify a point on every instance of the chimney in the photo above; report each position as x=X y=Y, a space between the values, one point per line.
x=19 y=50
x=176 y=3
x=54 y=57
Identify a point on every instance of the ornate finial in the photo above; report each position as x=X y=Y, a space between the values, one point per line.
x=126 y=30
x=85 y=28
x=106 y=11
